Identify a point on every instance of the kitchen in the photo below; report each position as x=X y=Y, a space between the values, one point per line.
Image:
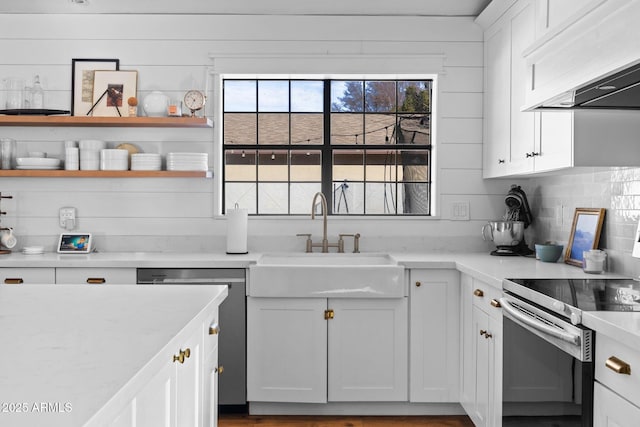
x=176 y=53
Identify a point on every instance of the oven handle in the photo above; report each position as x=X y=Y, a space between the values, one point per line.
x=518 y=315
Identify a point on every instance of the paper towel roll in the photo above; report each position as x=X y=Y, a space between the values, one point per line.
x=237 y=231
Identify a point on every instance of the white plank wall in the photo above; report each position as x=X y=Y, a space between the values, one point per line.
x=172 y=54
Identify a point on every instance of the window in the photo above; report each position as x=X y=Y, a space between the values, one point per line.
x=366 y=144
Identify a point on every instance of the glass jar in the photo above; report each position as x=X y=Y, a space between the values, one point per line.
x=593 y=261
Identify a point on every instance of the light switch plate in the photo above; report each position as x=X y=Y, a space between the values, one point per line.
x=460 y=211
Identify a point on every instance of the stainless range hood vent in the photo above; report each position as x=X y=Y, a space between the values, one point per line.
x=618 y=91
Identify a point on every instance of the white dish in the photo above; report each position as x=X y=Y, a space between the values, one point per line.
x=37 y=167
x=37 y=161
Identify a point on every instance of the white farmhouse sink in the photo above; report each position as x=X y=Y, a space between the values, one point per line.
x=326 y=275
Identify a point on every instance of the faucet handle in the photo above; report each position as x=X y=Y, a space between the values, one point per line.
x=309 y=243
x=356 y=242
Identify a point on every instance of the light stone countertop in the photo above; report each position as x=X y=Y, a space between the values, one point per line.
x=72 y=348
x=482 y=266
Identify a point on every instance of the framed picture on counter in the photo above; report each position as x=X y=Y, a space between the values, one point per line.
x=585 y=234
x=74 y=243
x=82 y=71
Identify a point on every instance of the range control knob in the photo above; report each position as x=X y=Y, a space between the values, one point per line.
x=559 y=306
x=575 y=319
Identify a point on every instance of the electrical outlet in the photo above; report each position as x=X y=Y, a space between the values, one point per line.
x=67 y=217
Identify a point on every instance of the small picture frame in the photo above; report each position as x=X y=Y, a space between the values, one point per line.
x=82 y=73
x=74 y=243
x=585 y=234
x=111 y=90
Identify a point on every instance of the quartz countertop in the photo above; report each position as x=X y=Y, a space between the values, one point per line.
x=490 y=269
x=68 y=349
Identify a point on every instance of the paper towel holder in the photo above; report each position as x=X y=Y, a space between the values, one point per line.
x=237 y=231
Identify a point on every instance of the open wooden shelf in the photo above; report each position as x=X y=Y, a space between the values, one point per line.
x=79 y=121
x=104 y=174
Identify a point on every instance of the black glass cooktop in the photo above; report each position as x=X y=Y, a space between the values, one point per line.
x=589 y=294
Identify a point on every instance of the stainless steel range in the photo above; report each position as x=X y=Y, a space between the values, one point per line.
x=543 y=336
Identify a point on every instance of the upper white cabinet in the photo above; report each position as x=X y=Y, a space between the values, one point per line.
x=553 y=14
x=582 y=43
x=434 y=345
x=508 y=132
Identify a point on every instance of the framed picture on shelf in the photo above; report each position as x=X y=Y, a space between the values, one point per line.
x=585 y=234
x=82 y=71
x=111 y=90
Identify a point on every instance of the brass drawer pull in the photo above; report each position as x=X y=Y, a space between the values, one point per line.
x=478 y=293
x=14 y=281
x=328 y=314
x=418 y=284
x=495 y=303
x=618 y=366
x=182 y=355
x=96 y=280
x=214 y=329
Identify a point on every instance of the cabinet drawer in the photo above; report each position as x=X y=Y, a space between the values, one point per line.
x=486 y=297
x=211 y=332
x=27 y=276
x=98 y=276
x=609 y=409
x=611 y=354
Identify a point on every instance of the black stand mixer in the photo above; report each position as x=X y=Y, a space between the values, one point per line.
x=517 y=210
x=508 y=233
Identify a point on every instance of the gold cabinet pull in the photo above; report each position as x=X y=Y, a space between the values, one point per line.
x=182 y=355
x=478 y=293
x=214 y=329
x=219 y=369
x=328 y=314
x=96 y=280
x=14 y=281
x=618 y=366
x=418 y=284
x=495 y=303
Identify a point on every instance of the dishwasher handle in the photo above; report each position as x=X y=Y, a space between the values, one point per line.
x=538 y=325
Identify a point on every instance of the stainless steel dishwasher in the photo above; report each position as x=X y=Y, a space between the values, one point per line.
x=232 y=353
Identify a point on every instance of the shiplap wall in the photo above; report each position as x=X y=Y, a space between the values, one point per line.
x=172 y=53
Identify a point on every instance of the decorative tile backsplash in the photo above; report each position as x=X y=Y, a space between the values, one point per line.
x=554 y=198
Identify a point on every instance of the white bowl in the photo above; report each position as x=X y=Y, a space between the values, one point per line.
x=114 y=153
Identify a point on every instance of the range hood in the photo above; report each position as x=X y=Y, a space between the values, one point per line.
x=617 y=91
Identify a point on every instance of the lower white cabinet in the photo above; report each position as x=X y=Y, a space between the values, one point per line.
x=95 y=276
x=616 y=397
x=481 y=383
x=27 y=276
x=611 y=410
x=181 y=390
x=434 y=345
x=318 y=350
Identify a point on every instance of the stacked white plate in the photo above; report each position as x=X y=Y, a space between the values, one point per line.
x=113 y=159
x=37 y=163
x=33 y=250
x=187 y=161
x=146 y=162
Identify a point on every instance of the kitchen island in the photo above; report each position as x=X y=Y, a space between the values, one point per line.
x=84 y=355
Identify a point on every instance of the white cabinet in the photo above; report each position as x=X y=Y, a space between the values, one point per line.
x=178 y=388
x=318 y=350
x=27 y=276
x=481 y=384
x=552 y=15
x=434 y=344
x=96 y=276
x=616 y=397
x=508 y=133
x=611 y=410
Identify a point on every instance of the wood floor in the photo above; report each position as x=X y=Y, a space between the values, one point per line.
x=229 y=420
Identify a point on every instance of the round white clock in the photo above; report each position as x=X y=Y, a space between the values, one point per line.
x=194 y=100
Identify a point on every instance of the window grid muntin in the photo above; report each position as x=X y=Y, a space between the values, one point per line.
x=327 y=148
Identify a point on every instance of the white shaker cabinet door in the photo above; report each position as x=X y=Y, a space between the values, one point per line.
x=286 y=350
x=434 y=344
x=368 y=350
x=611 y=410
x=155 y=403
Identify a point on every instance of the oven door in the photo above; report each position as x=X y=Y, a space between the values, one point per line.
x=547 y=375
